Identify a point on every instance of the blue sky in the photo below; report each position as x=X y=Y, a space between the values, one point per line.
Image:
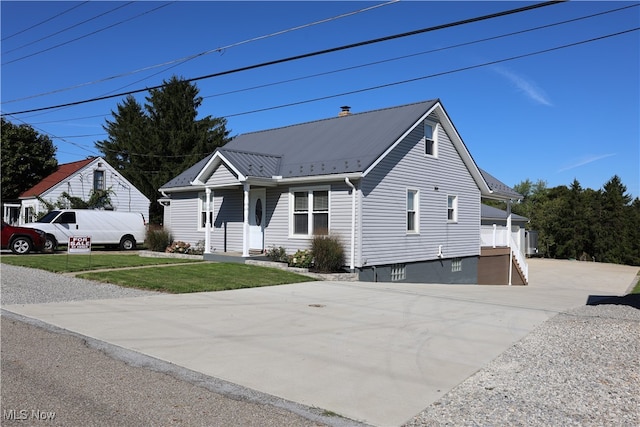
x=571 y=112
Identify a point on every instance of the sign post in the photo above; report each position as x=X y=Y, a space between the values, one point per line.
x=79 y=245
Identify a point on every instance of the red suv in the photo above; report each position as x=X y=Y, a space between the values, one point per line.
x=22 y=240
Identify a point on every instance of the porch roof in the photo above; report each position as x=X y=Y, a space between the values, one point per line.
x=490 y=213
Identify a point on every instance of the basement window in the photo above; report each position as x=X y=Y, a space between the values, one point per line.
x=398 y=272
x=456 y=265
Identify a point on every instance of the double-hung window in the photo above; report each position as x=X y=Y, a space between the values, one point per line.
x=98 y=180
x=202 y=208
x=430 y=139
x=412 y=211
x=310 y=211
x=452 y=208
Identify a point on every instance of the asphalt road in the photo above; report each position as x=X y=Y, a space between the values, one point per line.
x=51 y=377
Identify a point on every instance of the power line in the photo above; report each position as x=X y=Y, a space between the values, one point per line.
x=65 y=29
x=390 y=59
x=311 y=54
x=415 y=79
x=197 y=55
x=45 y=21
x=89 y=34
x=457 y=70
x=339 y=70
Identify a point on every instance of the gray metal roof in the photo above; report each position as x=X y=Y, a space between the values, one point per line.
x=337 y=145
x=185 y=178
x=489 y=212
x=499 y=188
x=253 y=164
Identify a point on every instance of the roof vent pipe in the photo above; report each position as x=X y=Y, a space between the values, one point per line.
x=346 y=111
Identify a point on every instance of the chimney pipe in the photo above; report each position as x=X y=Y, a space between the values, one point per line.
x=345 y=111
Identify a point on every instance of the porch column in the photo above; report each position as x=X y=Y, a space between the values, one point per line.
x=207 y=222
x=245 y=229
x=509 y=240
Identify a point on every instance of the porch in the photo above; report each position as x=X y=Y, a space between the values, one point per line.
x=502 y=256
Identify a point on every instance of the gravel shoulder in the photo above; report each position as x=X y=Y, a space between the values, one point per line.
x=580 y=367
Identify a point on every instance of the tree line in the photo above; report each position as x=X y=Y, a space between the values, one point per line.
x=581 y=223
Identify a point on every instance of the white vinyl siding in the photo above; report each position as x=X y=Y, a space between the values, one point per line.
x=222 y=176
x=124 y=196
x=278 y=228
x=384 y=236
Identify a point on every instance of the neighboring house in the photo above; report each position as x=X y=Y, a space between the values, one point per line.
x=397 y=185
x=79 y=179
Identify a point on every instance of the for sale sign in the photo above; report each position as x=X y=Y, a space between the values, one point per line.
x=80 y=244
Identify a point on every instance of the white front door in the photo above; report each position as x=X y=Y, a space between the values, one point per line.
x=257 y=213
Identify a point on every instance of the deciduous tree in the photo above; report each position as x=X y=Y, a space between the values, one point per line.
x=27 y=157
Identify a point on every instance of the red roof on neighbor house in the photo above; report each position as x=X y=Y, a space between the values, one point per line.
x=63 y=172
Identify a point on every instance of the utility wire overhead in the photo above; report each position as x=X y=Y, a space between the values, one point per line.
x=246 y=89
x=88 y=34
x=443 y=73
x=386 y=85
x=45 y=21
x=197 y=55
x=67 y=28
x=311 y=54
x=424 y=52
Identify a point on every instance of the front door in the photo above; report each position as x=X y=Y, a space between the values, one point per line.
x=257 y=213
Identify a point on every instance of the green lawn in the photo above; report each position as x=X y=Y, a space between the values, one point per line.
x=191 y=276
x=202 y=277
x=62 y=263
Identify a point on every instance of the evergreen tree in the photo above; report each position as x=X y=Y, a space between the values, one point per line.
x=613 y=244
x=151 y=145
x=27 y=157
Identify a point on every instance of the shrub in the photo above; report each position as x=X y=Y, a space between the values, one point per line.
x=198 y=249
x=277 y=254
x=178 y=248
x=302 y=259
x=158 y=239
x=328 y=254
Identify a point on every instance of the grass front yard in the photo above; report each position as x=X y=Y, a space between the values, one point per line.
x=201 y=277
x=134 y=271
x=61 y=263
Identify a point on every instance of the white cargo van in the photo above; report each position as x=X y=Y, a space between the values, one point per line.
x=124 y=229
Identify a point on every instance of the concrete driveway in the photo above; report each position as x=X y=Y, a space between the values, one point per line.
x=378 y=353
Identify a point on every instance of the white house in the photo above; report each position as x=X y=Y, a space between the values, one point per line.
x=79 y=179
x=397 y=185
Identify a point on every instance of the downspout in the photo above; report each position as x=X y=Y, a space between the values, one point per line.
x=207 y=222
x=353 y=224
x=509 y=240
